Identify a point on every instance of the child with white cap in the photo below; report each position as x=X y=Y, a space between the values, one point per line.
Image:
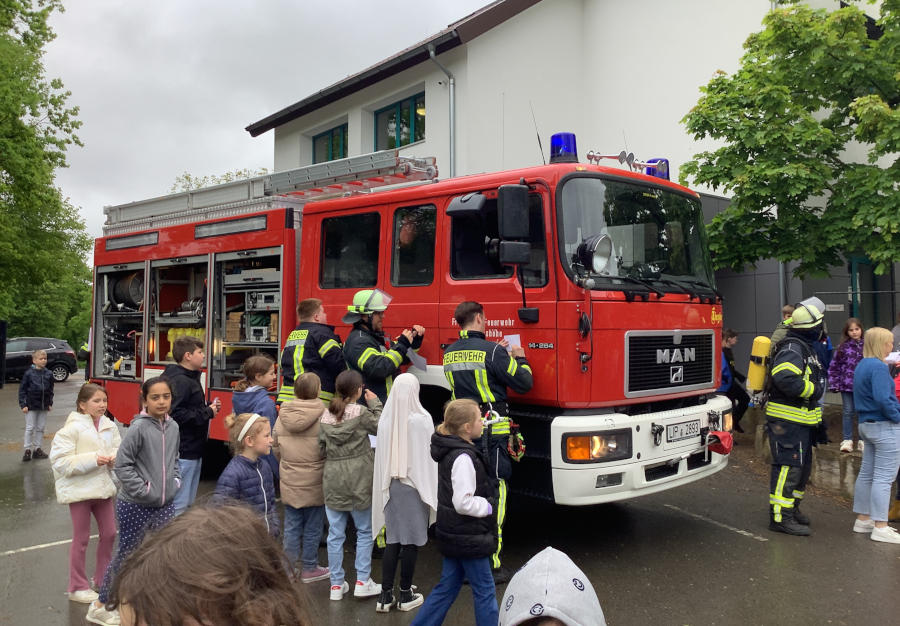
x=550 y=589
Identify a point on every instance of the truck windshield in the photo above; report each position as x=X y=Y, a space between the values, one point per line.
x=657 y=235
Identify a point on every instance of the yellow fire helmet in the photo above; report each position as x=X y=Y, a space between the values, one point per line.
x=807 y=314
x=366 y=302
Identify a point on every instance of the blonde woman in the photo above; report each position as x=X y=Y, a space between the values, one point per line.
x=879 y=428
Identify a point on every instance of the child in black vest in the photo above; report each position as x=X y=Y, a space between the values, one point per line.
x=466 y=529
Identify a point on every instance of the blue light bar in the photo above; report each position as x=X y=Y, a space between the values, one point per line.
x=562 y=148
x=660 y=169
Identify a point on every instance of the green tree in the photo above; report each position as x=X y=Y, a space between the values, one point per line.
x=188 y=182
x=45 y=287
x=813 y=90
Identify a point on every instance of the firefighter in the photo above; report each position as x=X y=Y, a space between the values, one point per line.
x=794 y=417
x=311 y=347
x=482 y=370
x=367 y=350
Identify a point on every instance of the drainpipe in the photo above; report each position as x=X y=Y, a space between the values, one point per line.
x=452 y=109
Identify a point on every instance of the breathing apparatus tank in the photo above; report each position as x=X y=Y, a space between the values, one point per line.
x=756 y=370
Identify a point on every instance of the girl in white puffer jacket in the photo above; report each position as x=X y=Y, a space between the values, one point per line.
x=83 y=454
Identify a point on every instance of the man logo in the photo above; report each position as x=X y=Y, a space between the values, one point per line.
x=676 y=374
x=676 y=355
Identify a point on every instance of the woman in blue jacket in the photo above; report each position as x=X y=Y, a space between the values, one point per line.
x=879 y=427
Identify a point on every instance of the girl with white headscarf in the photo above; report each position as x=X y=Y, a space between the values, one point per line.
x=404 y=490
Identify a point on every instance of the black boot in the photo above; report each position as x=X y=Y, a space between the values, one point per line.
x=385 y=601
x=787 y=524
x=799 y=517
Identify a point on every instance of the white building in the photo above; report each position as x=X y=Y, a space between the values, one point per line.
x=617 y=74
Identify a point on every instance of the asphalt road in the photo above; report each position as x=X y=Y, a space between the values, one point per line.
x=699 y=554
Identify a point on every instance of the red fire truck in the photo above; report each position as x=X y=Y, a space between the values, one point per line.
x=601 y=273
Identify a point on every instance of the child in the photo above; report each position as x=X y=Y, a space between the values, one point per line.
x=404 y=492
x=190 y=411
x=83 y=453
x=209 y=566
x=840 y=376
x=297 y=447
x=347 y=482
x=251 y=395
x=248 y=477
x=147 y=468
x=466 y=528
x=36 y=400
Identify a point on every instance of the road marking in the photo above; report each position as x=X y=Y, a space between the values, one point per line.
x=41 y=546
x=745 y=533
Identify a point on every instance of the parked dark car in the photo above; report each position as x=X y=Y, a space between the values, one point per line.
x=60 y=356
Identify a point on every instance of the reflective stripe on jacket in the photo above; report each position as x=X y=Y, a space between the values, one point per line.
x=311 y=347
x=797 y=382
x=482 y=370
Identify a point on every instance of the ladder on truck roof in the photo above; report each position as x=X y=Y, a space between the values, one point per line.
x=290 y=188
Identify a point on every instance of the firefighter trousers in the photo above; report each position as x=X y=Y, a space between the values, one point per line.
x=791 y=446
x=501 y=517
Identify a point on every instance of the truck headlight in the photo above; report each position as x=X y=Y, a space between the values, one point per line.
x=597 y=447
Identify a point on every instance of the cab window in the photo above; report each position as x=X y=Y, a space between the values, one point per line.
x=350 y=251
x=413 y=258
x=473 y=253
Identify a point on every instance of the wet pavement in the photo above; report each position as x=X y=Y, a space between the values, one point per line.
x=699 y=554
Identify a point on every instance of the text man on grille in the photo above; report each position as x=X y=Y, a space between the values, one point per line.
x=794 y=417
x=367 y=350
x=311 y=347
x=482 y=370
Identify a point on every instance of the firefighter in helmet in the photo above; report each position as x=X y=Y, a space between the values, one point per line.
x=794 y=418
x=482 y=370
x=367 y=350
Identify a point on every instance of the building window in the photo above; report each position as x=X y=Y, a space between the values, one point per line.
x=413 y=262
x=330 y=145
x=350 y=251
x=401 y=123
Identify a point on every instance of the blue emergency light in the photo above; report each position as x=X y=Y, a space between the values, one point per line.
x=658 y=168
x=562 y=148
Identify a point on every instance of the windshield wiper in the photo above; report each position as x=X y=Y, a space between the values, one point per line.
x=639 y=281
x=680 y=285
x=707 y=286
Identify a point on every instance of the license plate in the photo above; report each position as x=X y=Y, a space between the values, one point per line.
x=682 y=430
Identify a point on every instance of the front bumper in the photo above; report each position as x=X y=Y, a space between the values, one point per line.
x=652 y=467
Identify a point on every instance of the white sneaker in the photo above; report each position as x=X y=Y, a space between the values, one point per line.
x=860 y=445
x=85 y=596
x=99 y=615
x=847 y=445
x=863 y=526
x=366 y=589
x=886 y=534
x=338 y=591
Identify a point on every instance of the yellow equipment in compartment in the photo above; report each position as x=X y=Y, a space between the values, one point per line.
x=756 y=371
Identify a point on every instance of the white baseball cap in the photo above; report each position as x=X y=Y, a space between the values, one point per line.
x=551 y=585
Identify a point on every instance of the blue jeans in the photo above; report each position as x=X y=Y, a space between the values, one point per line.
x=190 y=480
x=478 y=571
x=849 y=410
x=337 y=532
x=305 y=522
x=881 y=458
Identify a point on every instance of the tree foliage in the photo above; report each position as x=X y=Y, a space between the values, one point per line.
x=187 y=182
x=810 y=128
x=45 y=287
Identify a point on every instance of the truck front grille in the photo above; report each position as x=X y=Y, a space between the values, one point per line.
x=668 y=361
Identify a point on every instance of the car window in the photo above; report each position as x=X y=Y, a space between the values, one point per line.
x=39 y=344
x=15 y=345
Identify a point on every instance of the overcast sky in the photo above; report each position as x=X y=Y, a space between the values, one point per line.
x=167 y=87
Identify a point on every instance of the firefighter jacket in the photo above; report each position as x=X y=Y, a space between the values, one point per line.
x=797 y=381
x=368 y=353
x=482 y=370
x=311 y=347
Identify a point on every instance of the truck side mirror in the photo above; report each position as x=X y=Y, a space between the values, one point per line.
x=512 y=212
x=515 y=252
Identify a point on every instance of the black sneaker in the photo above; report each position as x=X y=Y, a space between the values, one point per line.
x=385 y=601
x=409 y=599
x=501 y=575
x=39 y=454
x=26 y=456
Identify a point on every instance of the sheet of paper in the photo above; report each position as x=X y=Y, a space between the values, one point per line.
x=514 y=340
x=417 y=360
x=893 y=357
x=373 y=440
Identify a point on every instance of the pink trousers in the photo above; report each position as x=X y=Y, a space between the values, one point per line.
x=105 y=513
